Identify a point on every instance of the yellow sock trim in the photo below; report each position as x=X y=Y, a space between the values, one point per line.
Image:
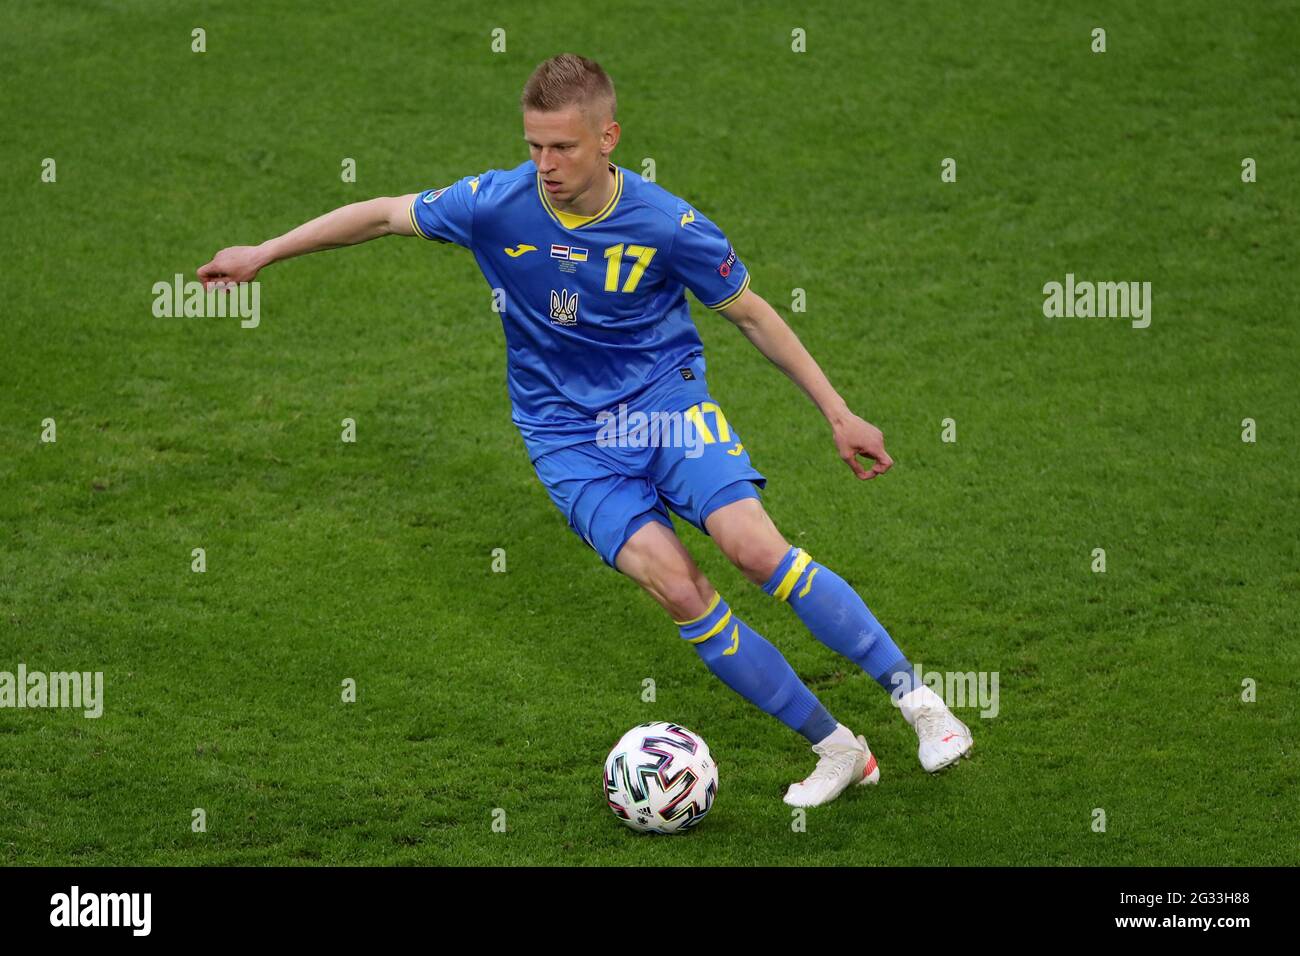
x=714 y=630
x=801 y=561
x=717 y=596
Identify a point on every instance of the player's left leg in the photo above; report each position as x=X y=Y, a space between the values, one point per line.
x=619 y=514
x=838 y=617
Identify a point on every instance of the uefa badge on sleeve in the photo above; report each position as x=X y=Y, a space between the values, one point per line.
x=724 y=270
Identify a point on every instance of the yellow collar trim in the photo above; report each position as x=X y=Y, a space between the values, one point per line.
x=574 y=221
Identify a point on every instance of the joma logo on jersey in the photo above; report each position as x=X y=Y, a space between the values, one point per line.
x=572 y=253
x=564 y=307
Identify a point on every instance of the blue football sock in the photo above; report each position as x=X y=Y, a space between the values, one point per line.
x=753 y=668
x=840 y=619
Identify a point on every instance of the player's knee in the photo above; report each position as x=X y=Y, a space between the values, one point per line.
x=656 y=559
x=702 y=586
x=757 y=560
x=680 y=595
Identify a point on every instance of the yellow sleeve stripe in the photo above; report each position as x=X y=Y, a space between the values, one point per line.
x=732 y=298
x=717 y=596
x=801 y=561
x=415 y=225
x=714 y=630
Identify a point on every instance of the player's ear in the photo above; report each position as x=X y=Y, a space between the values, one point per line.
x=609 y=138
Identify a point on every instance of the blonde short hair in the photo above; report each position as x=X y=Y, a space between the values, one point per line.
x=570 y=80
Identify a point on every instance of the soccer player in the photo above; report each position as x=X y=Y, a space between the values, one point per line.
x=591 y=264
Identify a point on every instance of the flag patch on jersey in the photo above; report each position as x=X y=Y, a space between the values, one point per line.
x=572 y=253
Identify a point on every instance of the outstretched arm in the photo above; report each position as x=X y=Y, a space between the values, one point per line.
x=775 y=339
x=345 y=226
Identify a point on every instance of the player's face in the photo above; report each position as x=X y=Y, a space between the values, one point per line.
x=571 y=156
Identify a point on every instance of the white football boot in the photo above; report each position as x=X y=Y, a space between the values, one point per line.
x=943 y=738
x=839 y=764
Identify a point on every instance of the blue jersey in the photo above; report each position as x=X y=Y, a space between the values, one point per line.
x=594 y=308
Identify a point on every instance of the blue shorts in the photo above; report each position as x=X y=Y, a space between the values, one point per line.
x=608 y=489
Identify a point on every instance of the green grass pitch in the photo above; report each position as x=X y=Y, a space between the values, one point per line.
x=1120 y=691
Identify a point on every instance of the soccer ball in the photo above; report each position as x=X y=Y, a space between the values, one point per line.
x=660 y=778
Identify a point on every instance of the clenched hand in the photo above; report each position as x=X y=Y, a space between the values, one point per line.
x=856 y=436
x=231 y=265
